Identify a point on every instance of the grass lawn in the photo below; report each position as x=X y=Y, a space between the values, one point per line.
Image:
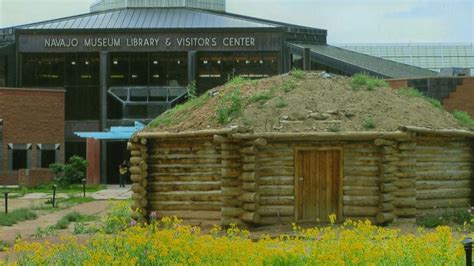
x=16 y=216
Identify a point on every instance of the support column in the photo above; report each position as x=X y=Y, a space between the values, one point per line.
x=104 y=78
x=306 y=59
x=93 y=157
x=192 y=66
x=286 y=60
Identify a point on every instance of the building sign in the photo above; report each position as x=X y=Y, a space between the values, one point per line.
x=149 y=42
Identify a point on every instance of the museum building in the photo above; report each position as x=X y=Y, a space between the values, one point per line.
x=128 y=61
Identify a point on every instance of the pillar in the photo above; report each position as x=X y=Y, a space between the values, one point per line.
x=93 y=157
x=306 y=59
x=104 y=78
x=192 y=67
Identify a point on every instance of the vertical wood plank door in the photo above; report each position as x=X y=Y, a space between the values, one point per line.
x=318 y=184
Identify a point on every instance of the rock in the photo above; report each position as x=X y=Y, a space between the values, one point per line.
x=285 y=117
x=349 y=114
x=332 y=112
x=319 y=116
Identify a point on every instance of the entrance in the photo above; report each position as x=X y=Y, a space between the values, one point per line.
x=318 y=184
x=116 y=154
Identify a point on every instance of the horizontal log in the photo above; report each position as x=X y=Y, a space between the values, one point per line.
x=276 y=200
x=444 y=194
x=251 y=207
x=260 y=142
x=184 y=186
x=192 y=215
x=135 y=153
x=250 y=186
x=248 y=150
x=405 y=183
x=248 y=176
x=134 y=170
x=356 y=211
x=361 y=200
x=276 y=190
x=405 y=212
x=249 y=197
x=438 y=132
x=220 y=139
x=444 y=203
x=188 y=177
x=182 y=205
x=384 y=218
x=231 y=212
x=444 y=175
x=440 y=184
x=384 y=197
x=362 y=182
x=187 y=158
x=275 y=171
x=339 y=136
x=230 y=183
x=250 y=217
x=276 y=180
x=185 y=134
x=143 y=141
x=248 y=159
x=276 y=211
x=231 y=191
x=350 y=191
x=136 y=178
x=248 y=167
x=195 y=166
x=215 y=196
x=284 y=158
x=230 y=173
x=404 y=202
x=405 y=193
x=384 y=142
x=386 y=207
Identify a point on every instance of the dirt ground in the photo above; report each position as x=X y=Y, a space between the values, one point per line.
x=314 y=103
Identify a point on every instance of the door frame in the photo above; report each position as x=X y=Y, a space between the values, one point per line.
x=341 y=177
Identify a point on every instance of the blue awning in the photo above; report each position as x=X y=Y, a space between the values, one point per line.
x=115 y=133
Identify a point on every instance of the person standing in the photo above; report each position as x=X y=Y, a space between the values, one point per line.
x=123 y=172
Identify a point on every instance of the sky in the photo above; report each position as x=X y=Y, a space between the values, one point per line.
x=347 y=21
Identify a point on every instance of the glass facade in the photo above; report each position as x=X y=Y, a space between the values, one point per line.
x=78 y=73
x=429 y=56
x=215 y=69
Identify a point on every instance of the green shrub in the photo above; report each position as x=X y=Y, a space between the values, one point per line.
x=230 y=107
x=281 y=103
x=15 y=216
x=410 y=92
x=72 y=217
x=261 y=97
x=369 y=123
x=237 y=81
x=192 y=90
x=118 y=217
x=288 y=85
x=71 y=173
x=334 y=128
x=463 y=118
x=297 y=73
x=370 y=83
x=433 y=221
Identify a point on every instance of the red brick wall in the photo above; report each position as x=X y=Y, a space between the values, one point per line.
x=31 y=116
x=35 y=177
x=459 y=99
x=462 y=98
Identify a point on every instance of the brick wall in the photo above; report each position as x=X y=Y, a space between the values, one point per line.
x=456 y=93
x=32 y=116
x=34 y=177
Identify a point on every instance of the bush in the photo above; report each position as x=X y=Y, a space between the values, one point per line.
x=463 y=118
x=297 y=73
x=230 y=107
x=71 y=173
x=281 y=103
x=369 y=123
x=370 y=83
x=192 y=90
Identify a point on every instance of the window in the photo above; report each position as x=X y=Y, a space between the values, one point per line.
x=19 y=156
x=47 y=154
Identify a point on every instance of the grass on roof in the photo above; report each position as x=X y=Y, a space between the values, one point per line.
x=360 y=81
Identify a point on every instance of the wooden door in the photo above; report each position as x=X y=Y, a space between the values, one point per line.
x=318 y=184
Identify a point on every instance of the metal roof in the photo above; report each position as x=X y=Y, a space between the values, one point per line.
x=358 y=62
x=152 y=18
